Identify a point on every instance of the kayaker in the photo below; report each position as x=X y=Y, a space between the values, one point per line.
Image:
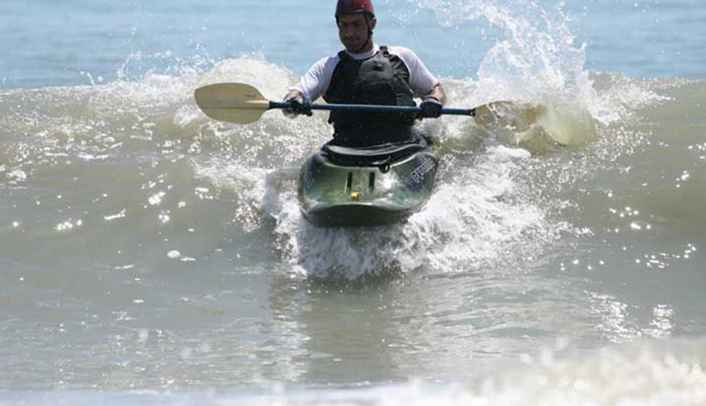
x=367 y=73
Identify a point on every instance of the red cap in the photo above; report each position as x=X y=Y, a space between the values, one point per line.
x=354 y=7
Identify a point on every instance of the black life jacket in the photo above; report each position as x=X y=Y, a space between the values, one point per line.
x=381 y=79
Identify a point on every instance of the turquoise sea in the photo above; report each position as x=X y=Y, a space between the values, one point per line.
x=150 y=255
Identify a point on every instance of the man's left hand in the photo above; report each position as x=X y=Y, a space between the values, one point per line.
x=431 y=107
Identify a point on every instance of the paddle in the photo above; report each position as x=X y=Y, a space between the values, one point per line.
x=243 y=104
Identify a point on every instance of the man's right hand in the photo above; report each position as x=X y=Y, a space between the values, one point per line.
x=298 y=105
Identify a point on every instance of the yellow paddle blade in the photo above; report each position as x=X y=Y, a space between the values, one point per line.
x=530 y=122
x=517 y=123
x=231 y=102
x=511 y=115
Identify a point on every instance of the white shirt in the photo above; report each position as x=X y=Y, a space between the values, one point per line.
x=316 y=81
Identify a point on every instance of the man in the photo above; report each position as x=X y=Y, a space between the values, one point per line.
x=365 y=73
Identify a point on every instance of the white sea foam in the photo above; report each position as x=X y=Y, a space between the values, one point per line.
x=648 y=375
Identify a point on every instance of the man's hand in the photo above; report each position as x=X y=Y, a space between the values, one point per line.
x=431 y=107
x=298 y=105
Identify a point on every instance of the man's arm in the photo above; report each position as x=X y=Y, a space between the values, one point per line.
x=424 y=84
x=433 y=102
x=312 y=85
x=294 y=94
x=438 y=93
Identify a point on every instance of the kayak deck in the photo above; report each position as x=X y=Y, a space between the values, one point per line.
x=343 y=187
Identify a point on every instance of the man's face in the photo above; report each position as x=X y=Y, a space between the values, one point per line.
x=353 y=31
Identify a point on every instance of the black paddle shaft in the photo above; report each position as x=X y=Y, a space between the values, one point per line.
x=375 y=108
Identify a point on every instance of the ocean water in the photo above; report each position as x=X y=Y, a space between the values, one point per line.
x=149 y=255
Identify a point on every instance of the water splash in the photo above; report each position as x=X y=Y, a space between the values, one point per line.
x=536 y=61
x=479 y=211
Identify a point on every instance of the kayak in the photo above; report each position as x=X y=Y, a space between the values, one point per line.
x=351 y=187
